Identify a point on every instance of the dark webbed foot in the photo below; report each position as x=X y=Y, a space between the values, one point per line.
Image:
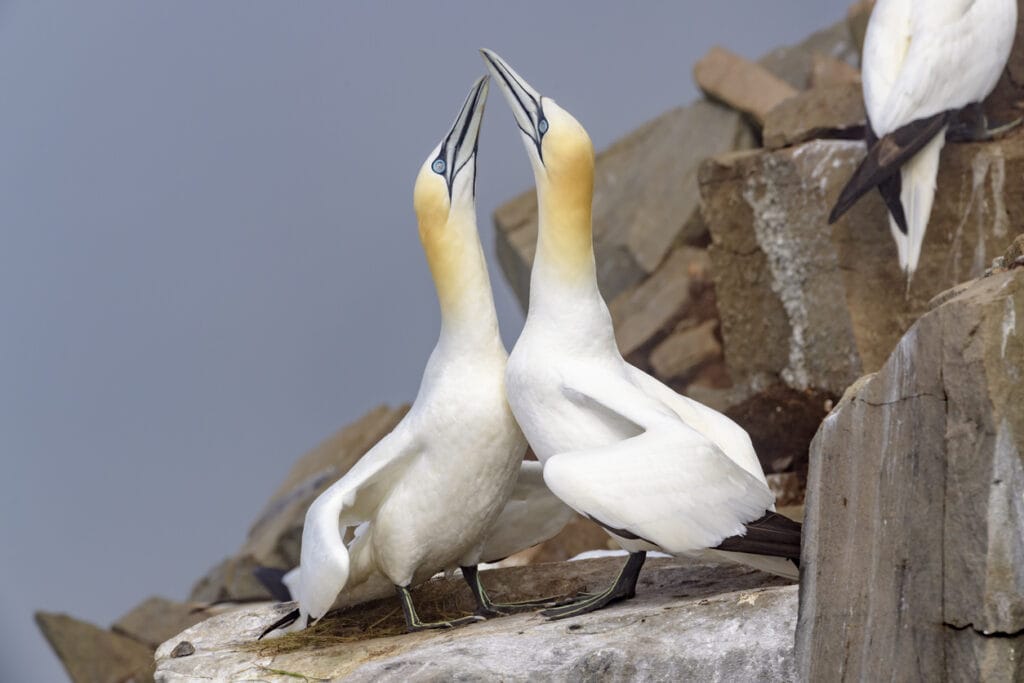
x=486 y=608
x=972 y=125
x=412 y=620
x=624 y=588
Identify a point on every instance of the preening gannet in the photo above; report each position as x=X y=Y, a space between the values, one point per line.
x=924 y=62
x=657 y=470
x=425 y=496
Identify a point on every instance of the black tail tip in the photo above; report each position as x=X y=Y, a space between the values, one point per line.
x=272 y=579
x=284 y=622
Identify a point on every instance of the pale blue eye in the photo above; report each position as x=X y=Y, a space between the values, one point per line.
x=439 y=166
x=542 y=126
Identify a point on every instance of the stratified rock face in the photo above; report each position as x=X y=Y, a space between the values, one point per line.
x=689 y=622
x=913 y=556
x=276 y=534
x=91 y=655
x=817 y=306
x=645 y=198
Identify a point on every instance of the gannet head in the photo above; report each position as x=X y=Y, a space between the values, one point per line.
x=446 y=184
x=559 y=148
x=445 y=203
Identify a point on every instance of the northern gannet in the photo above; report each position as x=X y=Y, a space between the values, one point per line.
x=425 y=496
x=656 y=469
x=924 y=62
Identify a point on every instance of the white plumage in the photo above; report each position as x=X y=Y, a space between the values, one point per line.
x=426 y=495
x=658 y=470
x=922 y=58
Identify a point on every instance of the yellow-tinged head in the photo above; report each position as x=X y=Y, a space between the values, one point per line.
x=445 y=202
x=562 y=157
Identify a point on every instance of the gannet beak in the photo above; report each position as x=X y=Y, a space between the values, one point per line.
x=457 y=153
x=525 y=102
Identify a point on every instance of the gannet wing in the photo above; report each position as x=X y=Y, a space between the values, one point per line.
x=730 y=438
x=885 y=50
x=532 y=515
x=954 y=54
x=883 y=163
x=323 y=561
x=669 y=486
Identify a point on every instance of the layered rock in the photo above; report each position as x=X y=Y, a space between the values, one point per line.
x=689 y=621
x=815 y=306
x=913 y=543
x=93 y=655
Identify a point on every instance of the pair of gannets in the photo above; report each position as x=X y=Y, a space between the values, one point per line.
x=924 y=62
x=657 y=470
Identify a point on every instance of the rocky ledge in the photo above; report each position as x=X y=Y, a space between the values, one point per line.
x=689 y=621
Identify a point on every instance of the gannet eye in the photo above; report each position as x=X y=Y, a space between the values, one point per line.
x=542 y=126
x=439 y=166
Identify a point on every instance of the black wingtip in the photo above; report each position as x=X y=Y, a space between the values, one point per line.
x=284 y=622
x=272 y=579
x=773 y=534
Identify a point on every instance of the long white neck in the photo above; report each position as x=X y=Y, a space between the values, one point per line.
x=469 y=322
x=564 y=293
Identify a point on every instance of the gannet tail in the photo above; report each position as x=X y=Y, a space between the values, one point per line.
x=917 y=195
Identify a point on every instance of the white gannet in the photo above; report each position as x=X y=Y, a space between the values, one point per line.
x=425 y=496
x=657 y=470
x=924 y=62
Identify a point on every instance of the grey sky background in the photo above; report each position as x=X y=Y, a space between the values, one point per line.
x=209 y=259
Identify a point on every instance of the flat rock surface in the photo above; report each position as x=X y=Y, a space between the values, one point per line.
x=689 y=621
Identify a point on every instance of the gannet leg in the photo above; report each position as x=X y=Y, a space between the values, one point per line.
x=973 y=125
x=486 y=608
x=412 y=620
x=624 y=588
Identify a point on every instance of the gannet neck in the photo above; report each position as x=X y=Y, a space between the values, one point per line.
x=564 y=291
x=469 y=322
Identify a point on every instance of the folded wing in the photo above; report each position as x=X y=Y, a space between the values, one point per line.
x=669 y=486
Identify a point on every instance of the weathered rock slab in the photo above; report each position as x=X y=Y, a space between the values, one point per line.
x=92 y=655
x=689 y=621
x=814 y=305
x=156 y=619
x=834 y=111
x=740 y=83
x=913 y=543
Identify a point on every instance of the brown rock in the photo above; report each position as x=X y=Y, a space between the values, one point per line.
x=275 y=536
x=1005 y=102
x=155 y=620
x=93 y=655
x=827 y=71
x=795 y=63
x=659 y=302
x=826 y=112
x=686 y=350
x=788 y=488
x=816 y=306
x=740 y=83
x=645 y=198
x=912 y=539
